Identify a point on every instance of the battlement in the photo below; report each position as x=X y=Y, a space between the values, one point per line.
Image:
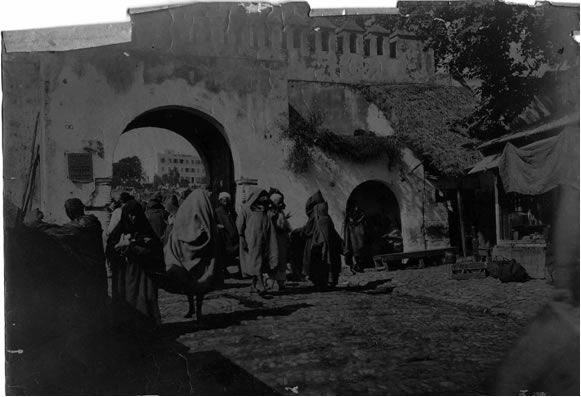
x=346 y=49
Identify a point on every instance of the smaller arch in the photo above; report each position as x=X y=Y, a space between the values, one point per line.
x=383 y=214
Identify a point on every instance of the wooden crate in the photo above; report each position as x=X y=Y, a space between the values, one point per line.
x=466 y=270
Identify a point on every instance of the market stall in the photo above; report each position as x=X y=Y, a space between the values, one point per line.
x=529 y=170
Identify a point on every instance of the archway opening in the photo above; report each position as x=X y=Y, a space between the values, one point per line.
x=382 y=213
x=210 y=162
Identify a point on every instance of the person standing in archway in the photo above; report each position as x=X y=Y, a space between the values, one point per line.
x=322 y=254
x=355 y=247
x=258 y=245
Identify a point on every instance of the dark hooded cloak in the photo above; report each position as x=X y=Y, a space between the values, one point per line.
x=322 y=252
x=156 y=215
x=134 y=294
x=257 y=229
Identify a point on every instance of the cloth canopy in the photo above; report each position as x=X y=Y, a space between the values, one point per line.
x=487 y=163
x=543 y=165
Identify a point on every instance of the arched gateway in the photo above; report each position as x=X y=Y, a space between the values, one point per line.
x=204 y=133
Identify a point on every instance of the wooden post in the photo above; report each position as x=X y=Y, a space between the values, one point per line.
x=497 y=210
x=461 y=219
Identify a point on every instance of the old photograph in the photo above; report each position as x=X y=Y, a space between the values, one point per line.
x=256 y=198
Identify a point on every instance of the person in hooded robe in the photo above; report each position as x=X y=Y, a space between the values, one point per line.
x=283 y=229
x=164 y=282
x=156 y=216
x=134 y=250
x=355 y=247
x=124 y=197
x=193 y=251
x=82 y=237
x=258 y=244
x=322 y=252
x=226 y=220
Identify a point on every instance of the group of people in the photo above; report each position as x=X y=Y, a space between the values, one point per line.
x=184 y=246
x=270 y=251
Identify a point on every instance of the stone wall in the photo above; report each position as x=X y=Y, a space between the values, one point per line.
x=22 y=119
x=227 y=63
x=286 y=32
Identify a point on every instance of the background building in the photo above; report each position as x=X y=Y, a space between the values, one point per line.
x=190 y=167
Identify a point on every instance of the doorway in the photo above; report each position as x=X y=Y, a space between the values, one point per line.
x=382 y=214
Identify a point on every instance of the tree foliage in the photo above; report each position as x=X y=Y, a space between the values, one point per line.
x=127 y=172
x=500 y=50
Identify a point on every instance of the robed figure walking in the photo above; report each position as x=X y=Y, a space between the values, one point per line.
x=134 y=250
x=258 y=243
x=193 y=251
x=322 y=251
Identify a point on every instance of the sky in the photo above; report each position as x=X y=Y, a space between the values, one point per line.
x=145 y=143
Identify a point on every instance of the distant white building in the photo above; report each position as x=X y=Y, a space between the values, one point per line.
x=190 y=167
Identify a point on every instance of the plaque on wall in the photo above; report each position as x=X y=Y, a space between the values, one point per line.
x=80 y=167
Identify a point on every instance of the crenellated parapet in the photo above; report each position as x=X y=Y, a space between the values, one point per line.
x=326 y=49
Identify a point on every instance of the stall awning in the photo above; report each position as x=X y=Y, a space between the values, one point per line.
x=543 y=165
x=487 y=163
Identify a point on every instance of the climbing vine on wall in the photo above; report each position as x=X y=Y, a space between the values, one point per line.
x=428 y=120
x=307 y=134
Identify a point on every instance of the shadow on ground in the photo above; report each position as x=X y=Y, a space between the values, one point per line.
x=368 y=287
x=114 y=364
x=54 y=345
x=225 y=320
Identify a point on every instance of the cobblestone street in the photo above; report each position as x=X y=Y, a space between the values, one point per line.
x=406 y=332
x=363 y=338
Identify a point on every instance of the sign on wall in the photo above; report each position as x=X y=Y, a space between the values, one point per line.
x=80 y=167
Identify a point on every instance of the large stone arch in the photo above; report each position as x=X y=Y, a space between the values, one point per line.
x=203 y=132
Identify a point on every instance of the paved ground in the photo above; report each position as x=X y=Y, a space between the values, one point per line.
x=403 y=332
x=518 y=300
x=367 y=337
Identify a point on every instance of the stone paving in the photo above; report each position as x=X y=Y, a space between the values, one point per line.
x=405 y=332
x=518 y=300
x=358 y=339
